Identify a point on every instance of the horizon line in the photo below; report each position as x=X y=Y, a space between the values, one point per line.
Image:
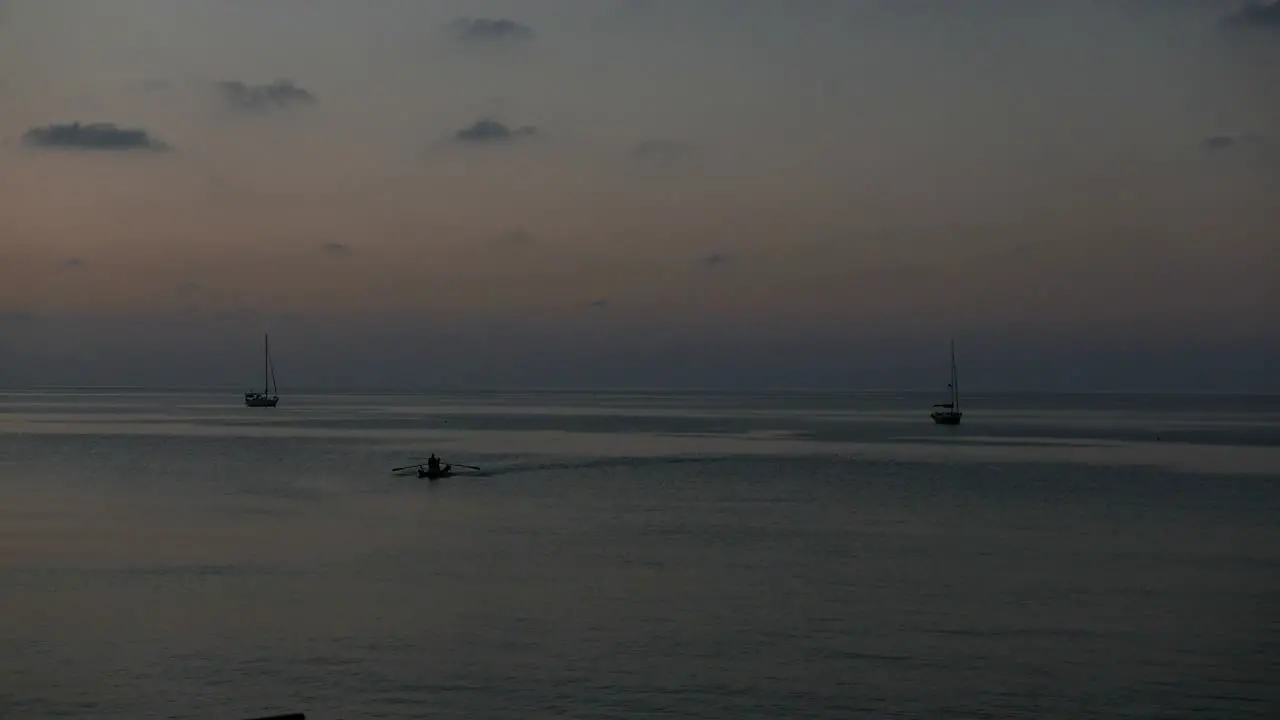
x=646 y=389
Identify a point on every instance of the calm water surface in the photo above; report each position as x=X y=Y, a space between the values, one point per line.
x=636 y=555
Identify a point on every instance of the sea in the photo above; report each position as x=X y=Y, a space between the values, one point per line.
x=639 y=555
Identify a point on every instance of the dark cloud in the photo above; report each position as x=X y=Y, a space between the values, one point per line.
x=1259 y=15
x=1219 y=142
x=1227 y=142
x=73 y=263
x=713 y=260
x=92 y=136
x=489 y=31
x=599 y=303
x=661 y=150
x=336 y=248
x=489 y=131
x=278 y=95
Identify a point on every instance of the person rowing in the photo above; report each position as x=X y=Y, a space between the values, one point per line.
x=434 y=470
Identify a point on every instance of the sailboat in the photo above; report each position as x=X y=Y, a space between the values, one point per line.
x=269 y=396
x=948 y=413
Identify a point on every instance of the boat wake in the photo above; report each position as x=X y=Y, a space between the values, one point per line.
x=580 y=464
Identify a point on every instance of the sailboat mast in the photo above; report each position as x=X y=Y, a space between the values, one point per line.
x=271 y=367
x=955 y=380
x=266 y=364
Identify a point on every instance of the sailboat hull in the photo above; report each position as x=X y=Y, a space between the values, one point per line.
x=946 y=418
x=259 y=400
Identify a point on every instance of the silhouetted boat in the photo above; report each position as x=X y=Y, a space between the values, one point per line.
x=426 y=472
x=445 y=471
x=948 y=413
x=269 y=397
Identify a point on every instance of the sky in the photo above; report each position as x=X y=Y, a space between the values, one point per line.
x=737 y=193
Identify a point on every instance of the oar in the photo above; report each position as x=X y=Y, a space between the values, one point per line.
x=406 y=467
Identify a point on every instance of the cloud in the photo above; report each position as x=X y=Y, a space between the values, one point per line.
x=715 y=259
x=336 y=248
x=660 y=150
x=1217 y=143
x=488 y=131
x=92 y=136
x=1259 y=15
x=599 y=303
x=73 y=263
x=491 y=31
x=279 y=95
